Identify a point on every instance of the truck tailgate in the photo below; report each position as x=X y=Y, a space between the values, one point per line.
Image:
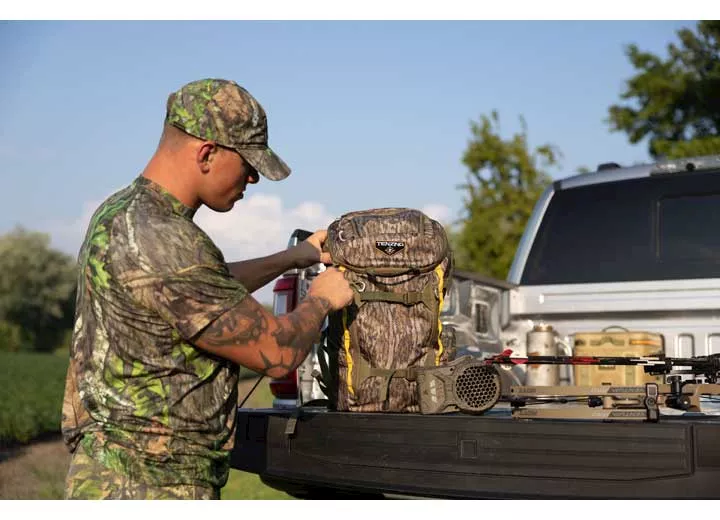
x=463 y=456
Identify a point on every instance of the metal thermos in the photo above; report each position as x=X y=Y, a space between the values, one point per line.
x=542 y=341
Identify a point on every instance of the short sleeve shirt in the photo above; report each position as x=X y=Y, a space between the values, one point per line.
x=140 y=397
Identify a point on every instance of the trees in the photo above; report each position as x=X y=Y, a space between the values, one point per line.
x=674 y=101
x=505 y=180
x=37 y=286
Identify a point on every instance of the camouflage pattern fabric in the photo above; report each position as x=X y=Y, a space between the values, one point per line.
x=222 y=111
x=397 y=239
x=140 y=398
x=87 y=479
x=387 y=253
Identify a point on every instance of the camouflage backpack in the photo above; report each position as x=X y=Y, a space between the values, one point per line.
x=398 y=262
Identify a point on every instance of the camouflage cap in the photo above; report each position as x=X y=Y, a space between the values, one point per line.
x=222 y=111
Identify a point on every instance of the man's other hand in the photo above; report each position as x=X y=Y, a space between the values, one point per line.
x=317 y=239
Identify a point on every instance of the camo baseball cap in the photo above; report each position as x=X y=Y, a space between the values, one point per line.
x=222 y=111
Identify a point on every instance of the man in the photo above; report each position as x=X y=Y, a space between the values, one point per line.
x=162 y=324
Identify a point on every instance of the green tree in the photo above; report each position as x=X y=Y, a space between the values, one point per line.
x=504 y=181
x=37 y=288
x=674 y=101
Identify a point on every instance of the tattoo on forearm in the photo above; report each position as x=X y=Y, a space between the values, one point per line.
x=295 y=333
x=240 y=325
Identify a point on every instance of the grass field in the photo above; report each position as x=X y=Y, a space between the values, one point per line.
x=33 y=459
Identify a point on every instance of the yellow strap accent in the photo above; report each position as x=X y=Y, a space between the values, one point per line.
x=441 y=281
x=346 y=345
x=348 y=357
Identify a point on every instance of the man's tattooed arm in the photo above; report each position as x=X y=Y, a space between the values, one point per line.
x=251 y=336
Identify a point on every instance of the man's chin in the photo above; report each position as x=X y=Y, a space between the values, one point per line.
x=227 y=206
x=222 y=209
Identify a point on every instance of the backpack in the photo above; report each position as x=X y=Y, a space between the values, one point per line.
x=399 y=263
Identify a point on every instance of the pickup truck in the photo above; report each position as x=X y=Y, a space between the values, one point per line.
x=634 y=247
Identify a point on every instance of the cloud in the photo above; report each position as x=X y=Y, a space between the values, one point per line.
x=257 y=226
x=438 y=212
x=67 y=235
x=260 y=225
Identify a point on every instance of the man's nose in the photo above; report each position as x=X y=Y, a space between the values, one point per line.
x=253 y=177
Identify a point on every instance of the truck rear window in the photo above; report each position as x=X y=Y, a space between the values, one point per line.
x=655 y=228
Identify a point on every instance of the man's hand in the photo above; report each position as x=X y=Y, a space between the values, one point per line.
x=331 y=286
x=317 y=239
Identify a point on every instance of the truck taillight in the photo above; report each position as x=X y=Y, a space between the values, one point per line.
x=284 y=294
x=284 y=301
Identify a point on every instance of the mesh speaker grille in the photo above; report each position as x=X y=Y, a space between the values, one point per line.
x=478 y=387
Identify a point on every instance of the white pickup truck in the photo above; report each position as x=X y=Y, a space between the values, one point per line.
x=632 y=247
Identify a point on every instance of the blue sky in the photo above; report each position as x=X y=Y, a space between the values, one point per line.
x=368 y=114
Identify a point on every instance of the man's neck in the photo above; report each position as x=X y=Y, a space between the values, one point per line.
x=172 y=179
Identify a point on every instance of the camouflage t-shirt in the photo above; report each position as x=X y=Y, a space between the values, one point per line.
x=139 y=396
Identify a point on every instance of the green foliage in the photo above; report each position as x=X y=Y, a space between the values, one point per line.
x=12 y=337
x=37 y=288
x=63 y=347
x=31 y=393
x=504 y=182
x=674 y=101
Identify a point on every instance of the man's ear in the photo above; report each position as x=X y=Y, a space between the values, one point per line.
x=205 y=154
